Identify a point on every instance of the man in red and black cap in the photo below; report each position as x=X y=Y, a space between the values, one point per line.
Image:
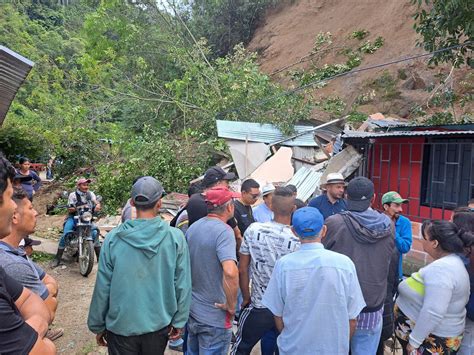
x=82 y=196
x=212 y=249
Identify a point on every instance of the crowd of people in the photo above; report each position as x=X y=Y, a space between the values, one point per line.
x=319 y=279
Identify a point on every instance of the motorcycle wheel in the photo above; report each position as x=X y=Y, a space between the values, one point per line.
x=86 y=262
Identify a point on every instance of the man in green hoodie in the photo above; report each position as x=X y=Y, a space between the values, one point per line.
x=142 y=293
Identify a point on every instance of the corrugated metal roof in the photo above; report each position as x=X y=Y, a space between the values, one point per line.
x=264 y=133
x=13 y=70
x=306 y=181
x=367 y=135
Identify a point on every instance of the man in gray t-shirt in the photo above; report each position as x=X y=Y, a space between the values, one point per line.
x=26 y=272
x=212 y=250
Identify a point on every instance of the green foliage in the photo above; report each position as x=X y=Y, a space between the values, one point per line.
x=446 y=23
x=370 y=48
x=19 y=140
x=359 y=34
x=224 y=23
x=39 y=256
x=333 y=105
x=356 y=117
x=386 y=86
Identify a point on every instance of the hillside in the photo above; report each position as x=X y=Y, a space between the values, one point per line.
x=288 y=34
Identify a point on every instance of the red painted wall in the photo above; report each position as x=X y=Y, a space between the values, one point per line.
x=396 y=164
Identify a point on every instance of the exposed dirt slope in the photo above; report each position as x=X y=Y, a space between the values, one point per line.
x=288 y=34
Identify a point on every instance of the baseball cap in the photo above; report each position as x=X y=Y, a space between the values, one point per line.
x=335 y=178
x=393 y=196
x=268 y=188
x=146 y=191
x=30 y=242
x=219 y=195
x=307 y=222
x=215 y=174
x=83 y=181
x=360 y=191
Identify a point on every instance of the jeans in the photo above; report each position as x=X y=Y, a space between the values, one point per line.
x=207 y=340
x=365 y=342
x=69 y=228
x=145 y=344
x=467 y=345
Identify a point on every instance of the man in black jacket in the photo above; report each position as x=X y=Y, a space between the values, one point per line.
x=367 y=237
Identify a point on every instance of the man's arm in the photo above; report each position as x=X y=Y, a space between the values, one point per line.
x=230 y=282
x=352 y=327
x=51 y=284
x=34 y=311
x=403 y=237
x=279 y=323
x=100 y=298
x=244 y=279
x=182 y=284
x=238 y=237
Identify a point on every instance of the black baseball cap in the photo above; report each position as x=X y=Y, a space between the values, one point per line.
x=359 y=194
x=31 y=242
x=215 y=174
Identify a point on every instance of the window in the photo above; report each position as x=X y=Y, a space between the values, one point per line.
x=447 y=178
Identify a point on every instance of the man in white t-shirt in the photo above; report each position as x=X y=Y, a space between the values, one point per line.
x=263 y=245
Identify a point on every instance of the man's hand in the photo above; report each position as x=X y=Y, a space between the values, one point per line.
x=245 y=303
x=225 y=307
x=100 y=338
x=175 y=333
x=98 y=207
x=411 y=349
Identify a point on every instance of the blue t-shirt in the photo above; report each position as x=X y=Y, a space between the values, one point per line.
x=403 y=239
x=262 y=213
x=325 y=206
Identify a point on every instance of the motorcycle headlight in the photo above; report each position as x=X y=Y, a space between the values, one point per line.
x=86 y=216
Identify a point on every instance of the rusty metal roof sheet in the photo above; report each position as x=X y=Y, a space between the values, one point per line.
x=14 y=68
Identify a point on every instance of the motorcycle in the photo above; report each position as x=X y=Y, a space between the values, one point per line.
x=79 y=243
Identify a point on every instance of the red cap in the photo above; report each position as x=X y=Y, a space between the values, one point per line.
x=219 y=195
x=83 y=181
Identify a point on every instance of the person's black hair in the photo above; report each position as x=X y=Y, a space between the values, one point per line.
x=283 y=202
x=292 y=188
x=19 y=194
x=146 y=207
x=450 y=237
x=248 y=185
x=194 y=189
x=464 y=219
x=299 y=203
x=7 y=172
x=24 y=160
x=283 y=191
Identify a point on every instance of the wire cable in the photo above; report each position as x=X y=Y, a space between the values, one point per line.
x=348 y=73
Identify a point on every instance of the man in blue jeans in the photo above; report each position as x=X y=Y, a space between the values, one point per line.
x=82 y=196
x=212 y=250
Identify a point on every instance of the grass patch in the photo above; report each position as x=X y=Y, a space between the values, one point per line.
x=39 y=256
x=386 y=86
x=359 y=34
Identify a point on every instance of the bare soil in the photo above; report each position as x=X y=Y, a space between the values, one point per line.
x=288 y=33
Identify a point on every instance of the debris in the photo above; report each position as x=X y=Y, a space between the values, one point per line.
x=345 y=162
x=277 y=169
x=247 y=156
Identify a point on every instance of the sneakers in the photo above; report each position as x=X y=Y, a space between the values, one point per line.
x=54 y=333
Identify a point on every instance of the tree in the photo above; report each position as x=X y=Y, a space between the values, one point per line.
x=446 y=23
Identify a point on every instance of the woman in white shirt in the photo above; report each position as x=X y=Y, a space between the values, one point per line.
x=430 y=310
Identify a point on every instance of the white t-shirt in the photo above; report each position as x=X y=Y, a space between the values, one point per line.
x=266 y=243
